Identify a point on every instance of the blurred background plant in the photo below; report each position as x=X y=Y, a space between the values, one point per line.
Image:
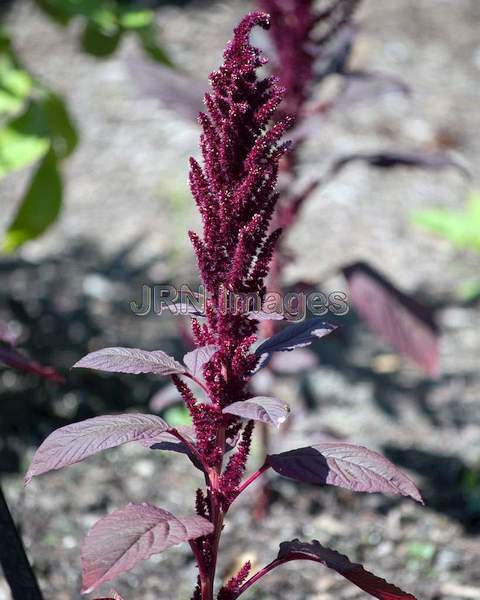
x=462 y=230
x=35 y=124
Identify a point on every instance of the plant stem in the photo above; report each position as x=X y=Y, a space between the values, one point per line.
x=252 y=478
x=275 y=563
x=13 y=558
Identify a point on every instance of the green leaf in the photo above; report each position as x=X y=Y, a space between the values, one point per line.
x=99 y=43
x=62 y=130
x=23 y=140
x=136 y=18
x=148 y=39
x=40 y=206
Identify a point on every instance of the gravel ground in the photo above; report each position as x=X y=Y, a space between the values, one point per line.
x=126 y=185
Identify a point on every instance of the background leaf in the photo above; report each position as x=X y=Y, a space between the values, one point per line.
x=399 y=319
x=40 y=206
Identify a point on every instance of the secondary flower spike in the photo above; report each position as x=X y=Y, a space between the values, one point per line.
x=235 y=192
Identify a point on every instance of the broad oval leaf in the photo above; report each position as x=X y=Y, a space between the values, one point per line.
x=131 y=534
x=344 y=465
x=196 y=359
x=399 y=319
x=261 y=408
x=296 y=336
x=354 y=572
x=131 y=360
x=73 y=443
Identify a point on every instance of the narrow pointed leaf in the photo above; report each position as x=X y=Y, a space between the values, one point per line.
x=268 y=410
x=399 y=319
x=354 y=572
x=344 y=465
x=131 y=360
x=118 y=542
x=73 y=443
x=196 y=359
x=15 y=359
x=296 y=336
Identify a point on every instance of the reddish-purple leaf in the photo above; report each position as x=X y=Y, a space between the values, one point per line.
x=196 y=359
x=117 y=542
x=74 y=443
x=400 y=320
x=354 y=572
x=296 y=336
x=15 y=359
x=268 y=410
x=131 y=360
x=345 y=465
x=388 y=159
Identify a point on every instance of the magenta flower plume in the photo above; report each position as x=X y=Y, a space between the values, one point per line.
x=236 y=196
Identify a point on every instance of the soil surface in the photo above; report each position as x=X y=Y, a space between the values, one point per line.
x=126 y=212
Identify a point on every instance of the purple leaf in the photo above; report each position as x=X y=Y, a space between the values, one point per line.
x=354 y=572
x=400 y=320
x=131 y=360
x=388 y=159
x=74 y=443
x=119 y=541
x=296 y=336
x=268 y=410
x=345 y=465
x=15 y=359
x=196 y=359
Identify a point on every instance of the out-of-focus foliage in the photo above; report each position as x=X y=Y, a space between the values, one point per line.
x=34 y=122
x=105 y=22
x=461 y=228
x=34 y=126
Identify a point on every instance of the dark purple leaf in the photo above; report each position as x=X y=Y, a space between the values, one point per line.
x=74 y=443
x=131 y=360
x=118 y=542
x=354 y=572
x=13 y=358
x=344 y=465
x=401 y=321
x=388 y=159
x=268 y=410
x=196 y=359
x=174 y=91
x=296 y=336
